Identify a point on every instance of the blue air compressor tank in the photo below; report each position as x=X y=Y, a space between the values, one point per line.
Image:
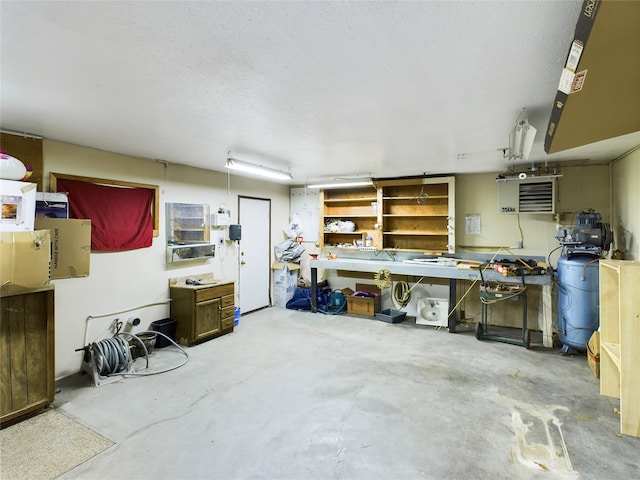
x=578 y=302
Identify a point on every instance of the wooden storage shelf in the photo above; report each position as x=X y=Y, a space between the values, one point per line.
x=431 y=197
x=433 y=233
x=415 y=214
x=620 y=339
x=412 y=215
x=350 y=215
x=358 y=205
x=351 y=200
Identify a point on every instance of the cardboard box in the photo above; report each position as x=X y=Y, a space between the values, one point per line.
x=70 y=246
x=18 y=203
x=25 y=260
x=364 y=305
x=285 y=281
x=52 y=205
x=593 y=353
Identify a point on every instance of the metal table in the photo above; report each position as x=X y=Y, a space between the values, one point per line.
x=423 y=269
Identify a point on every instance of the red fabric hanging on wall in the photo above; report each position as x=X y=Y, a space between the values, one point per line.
x=120 y=217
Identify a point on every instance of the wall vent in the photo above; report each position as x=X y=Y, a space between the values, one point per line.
x=529 y=195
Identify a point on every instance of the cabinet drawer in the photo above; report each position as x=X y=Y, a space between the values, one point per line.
x=226 y=323
x=205 y=294
x=227 y=312
x=227 y=300
x=223 y=290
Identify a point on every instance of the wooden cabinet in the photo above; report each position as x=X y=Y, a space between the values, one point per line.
x=202 y=312
x=620 y=339
x=27 y=375
x=414 y=214
x=342 y=207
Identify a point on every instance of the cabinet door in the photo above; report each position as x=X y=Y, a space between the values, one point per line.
x=207 y=319
x=26 y=354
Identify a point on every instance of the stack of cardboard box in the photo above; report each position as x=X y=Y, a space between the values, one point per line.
x=38 y=242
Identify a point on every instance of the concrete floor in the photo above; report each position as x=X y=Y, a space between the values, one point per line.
x=295 y=395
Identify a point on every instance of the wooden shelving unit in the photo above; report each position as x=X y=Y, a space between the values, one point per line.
x=418 y=214
x=414 y=214
x=358 y=205
x=620 y=339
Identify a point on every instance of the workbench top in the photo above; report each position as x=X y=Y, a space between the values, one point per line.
x=423 y=269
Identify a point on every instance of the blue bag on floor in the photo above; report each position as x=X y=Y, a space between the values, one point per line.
x=301 y=299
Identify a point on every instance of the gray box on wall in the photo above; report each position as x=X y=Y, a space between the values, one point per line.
x=235 y=232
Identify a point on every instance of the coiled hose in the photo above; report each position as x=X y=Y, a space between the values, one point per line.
x=112 y=356
x=402 y=292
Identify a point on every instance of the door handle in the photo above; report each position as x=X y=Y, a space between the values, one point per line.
x=242 y=262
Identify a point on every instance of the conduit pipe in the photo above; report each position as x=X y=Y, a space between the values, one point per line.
x=91 y=317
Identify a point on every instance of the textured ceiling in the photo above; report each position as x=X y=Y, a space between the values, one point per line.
x=323 y=89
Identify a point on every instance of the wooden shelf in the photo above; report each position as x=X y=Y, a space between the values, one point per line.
x=432 y=197
x=412 y=215
x=416 y=233
x=349 y=215
x=613 y=349
x=351 y=200
x=620 y=339
x=416 y=215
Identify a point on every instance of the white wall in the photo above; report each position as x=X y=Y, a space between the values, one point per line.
x=626 y=204
x=123 y=280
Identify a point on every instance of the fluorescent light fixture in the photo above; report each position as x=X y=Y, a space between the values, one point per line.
x=341 y=184
x=242 y=166
x=521 y=139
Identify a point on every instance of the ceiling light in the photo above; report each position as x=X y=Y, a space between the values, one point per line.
x=242 y=166
x=521 y=138
x=342 y=184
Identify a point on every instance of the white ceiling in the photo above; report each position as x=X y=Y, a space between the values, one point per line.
x=324 y=89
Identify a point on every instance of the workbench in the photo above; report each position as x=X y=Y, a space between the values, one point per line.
x=434 y=270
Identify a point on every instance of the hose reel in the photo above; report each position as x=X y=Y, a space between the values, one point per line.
x=382 y=278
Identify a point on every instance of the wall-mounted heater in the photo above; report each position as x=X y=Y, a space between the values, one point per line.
x=527 y=194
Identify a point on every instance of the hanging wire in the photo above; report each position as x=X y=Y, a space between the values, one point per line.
x=422 y=197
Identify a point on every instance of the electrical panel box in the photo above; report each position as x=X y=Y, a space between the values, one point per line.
x=529 y=195
x=219 y=219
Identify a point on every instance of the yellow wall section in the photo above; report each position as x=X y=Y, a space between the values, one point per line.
x=626 y=204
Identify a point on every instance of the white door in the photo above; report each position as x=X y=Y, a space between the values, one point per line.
x=254 y=215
